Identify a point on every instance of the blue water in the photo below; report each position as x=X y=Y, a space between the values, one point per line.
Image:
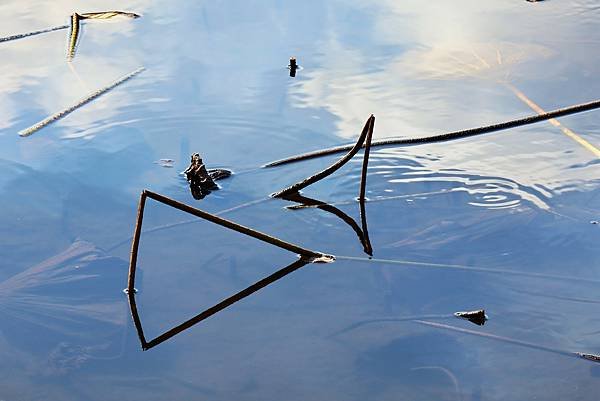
x=501 y=222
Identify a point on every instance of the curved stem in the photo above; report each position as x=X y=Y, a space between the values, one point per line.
x=447 y=136
x=331 y=169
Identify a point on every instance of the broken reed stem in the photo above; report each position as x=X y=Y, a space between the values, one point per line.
x=233 y=226
x=331 y=169
x=135 y=244
x=82 y=102
x=227 y=302
x=363 y=222
x=25 y=35
x=579 y=108
x=73 y=36
x=306 y=256
x=363 y=176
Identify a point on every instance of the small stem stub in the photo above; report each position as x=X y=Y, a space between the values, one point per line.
x=202 y=181
x=293 y=66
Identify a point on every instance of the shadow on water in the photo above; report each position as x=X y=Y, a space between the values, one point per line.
x=361 y=231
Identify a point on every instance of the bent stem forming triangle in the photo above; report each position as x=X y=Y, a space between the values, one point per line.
x=311 y=256
x=334 y=167
x=307 y=256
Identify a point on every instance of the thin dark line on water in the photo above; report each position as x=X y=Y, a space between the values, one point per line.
x=473 y=269
x=578 y=108
x=25 y=35
x=186 y=222
x=355 y=326
x=508 y=340
x=557 y=297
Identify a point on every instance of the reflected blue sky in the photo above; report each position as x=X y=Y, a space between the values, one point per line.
x=216 y=83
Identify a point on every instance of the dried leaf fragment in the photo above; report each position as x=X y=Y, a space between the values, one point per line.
x=477 y=316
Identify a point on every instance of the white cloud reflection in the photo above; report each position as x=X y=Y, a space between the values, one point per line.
x=448 y=74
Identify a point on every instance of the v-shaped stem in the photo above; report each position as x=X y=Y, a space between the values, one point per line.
x=334 y=167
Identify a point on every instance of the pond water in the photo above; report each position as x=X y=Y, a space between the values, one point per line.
x=501 y=222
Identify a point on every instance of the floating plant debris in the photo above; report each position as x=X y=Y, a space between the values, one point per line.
x=367 y=130
x=75 y=22
x=78 y=17
x=477 y=316
x=306 y=253
x=202 y=181
x=293 y=66
x=589 y=357
x=82 y=102
x=449 y=136
x=306 y=256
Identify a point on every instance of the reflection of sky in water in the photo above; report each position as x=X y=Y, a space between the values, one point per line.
x=216 y=83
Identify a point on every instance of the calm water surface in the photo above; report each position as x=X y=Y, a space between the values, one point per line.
x=216 y=82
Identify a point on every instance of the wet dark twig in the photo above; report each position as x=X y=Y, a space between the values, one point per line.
x=579 y=108
x=363 y=176
x=331 y=169
x=586 y=356
x=307 y=253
